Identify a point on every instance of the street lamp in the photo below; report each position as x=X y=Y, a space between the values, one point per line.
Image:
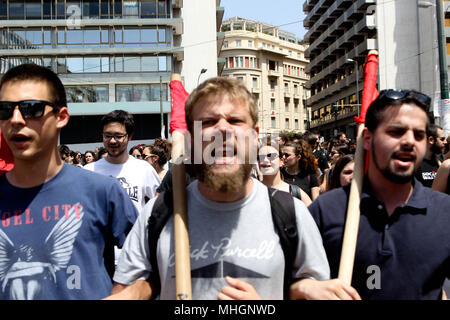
x=201 y=72
x=357 y=82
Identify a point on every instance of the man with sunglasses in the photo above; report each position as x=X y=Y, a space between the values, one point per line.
x=59 y=223
x=433 y=157
x=402 y=250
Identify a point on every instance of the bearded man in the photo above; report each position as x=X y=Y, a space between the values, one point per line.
x=235 y=249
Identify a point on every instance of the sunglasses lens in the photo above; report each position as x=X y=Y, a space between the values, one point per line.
x=32 y=109
x=6 y=110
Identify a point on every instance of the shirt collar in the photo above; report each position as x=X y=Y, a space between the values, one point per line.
x=417 y=203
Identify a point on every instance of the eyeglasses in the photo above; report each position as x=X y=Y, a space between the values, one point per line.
x=271 y=156
x=400 y=94
x=30 y=109
x=117 y=137
x=138 y=156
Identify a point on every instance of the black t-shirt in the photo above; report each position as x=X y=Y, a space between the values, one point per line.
x=322 y=159
x=427 y=172
x=304 y=181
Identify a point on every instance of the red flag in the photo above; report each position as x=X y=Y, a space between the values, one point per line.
x=6 y=156
x=178 y=100
x=370 y=92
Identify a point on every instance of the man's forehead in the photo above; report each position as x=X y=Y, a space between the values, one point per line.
x=42 y=86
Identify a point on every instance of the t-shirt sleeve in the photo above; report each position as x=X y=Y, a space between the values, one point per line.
x=311 y=260
x=134 y=262
x=123 y=212
x=152 y=182
x=314 y=181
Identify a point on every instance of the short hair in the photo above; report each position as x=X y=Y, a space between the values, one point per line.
x=432 y=130
x=34 y=72
x=122 y=117
x=375 y=112
x=64 y=150
x=218 y=87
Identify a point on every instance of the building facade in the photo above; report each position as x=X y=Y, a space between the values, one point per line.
x=272 y=64
x=112 y=54
x=340 y=34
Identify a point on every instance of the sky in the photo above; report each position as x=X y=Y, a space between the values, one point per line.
x=286 y=14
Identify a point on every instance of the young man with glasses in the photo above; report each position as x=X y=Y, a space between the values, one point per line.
x=402 y=250
x=138 y=177
x=433 y=157
x=59 y=223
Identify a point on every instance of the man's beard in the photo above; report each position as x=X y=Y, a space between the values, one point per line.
x=223 y=182
x=400 y=177
x=117 y=153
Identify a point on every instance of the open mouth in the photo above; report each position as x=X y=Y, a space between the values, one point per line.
x=404 y=158
x=19 y=139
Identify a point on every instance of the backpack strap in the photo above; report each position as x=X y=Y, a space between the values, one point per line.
x=283 y=215
x=295 y=191
x=161 y=212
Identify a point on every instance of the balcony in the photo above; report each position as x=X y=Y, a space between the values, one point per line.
x=273 y=73
x=349 y=111
x=364 y=24
x=338 y=24
x=341 y=62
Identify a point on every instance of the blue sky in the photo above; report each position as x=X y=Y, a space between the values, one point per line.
x=287 y=14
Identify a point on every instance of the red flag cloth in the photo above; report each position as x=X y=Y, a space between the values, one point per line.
x=370 y=92
x=6 y=156
x=178 y=99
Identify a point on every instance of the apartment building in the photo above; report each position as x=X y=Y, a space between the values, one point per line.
x=113 y=54
x=340 y=34
x=271 y=62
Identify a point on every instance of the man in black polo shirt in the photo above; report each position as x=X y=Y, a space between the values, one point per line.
x=433 y=157
x=403 y=246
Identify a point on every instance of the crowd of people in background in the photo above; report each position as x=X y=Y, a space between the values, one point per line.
x=156 y=153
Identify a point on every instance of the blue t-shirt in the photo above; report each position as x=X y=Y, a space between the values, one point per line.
x=53 y=237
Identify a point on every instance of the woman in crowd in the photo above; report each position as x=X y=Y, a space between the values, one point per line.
x=269 y=166
x=89 y=156
x=300 y=168
x=136 y=151
x=342 y=173
x=157 y=155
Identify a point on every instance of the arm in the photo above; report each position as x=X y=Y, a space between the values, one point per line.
x=305 y=198
x=441 y=179
x=139 y=290
x=311 y=289
x=315 y=192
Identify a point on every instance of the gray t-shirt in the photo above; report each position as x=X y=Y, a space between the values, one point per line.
x=236 y=239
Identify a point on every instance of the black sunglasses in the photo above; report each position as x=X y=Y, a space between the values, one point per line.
x=30 y=109
x=400 y=94
x=271 y=156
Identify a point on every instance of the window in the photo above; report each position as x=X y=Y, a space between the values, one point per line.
x=33 y=36
x=74 y=36
x=296 y=124
x=225 y=44
x=98 y=93
x=33 y=9
x=273 y=122
x=272 y=104
x=149 y=63
x=16 y=9
x=91 y=8
x=250 y=43
x=148 y=8
x=286 y=105
x=74 y=65
x=149 y=35
x=238 y=43
x=91 y=64
x=91 y=36
x=131 y=36
x=255 y=83
x=272 y=85
x=131 y=64
x=286 y=123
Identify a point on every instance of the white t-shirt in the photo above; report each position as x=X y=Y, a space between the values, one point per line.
x=137 y=177
x=236 y=239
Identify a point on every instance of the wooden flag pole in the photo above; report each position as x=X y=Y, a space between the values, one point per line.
x=353 y=212
x=181 y=233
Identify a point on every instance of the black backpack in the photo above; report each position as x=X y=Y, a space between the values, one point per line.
x=283 y=214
